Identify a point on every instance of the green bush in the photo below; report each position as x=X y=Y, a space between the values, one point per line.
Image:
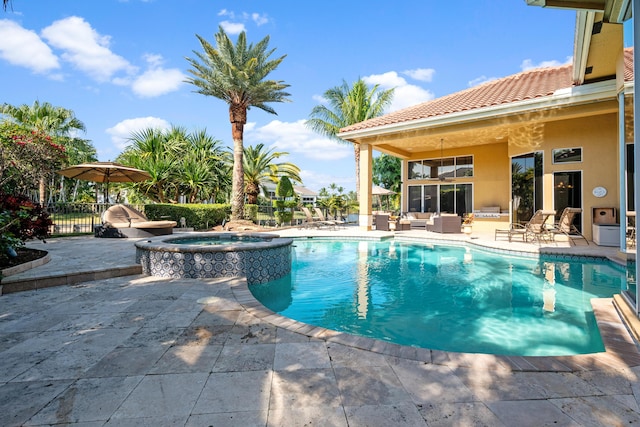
x=283 y=217
x=198 y=216
x=251 y=212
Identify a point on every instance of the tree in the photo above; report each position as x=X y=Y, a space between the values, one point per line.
x=284 y=192
x=386 y=172
x=203 y=171
x=179 y=163
x=77 y=151
x=348 y=106
x=57 y=122
x=25 y=154
x=237 y=75
x=260 y=168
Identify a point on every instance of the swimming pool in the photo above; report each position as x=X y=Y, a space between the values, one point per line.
x=451 y=298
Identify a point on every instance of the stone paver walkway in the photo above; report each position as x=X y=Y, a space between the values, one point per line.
x=142 y=351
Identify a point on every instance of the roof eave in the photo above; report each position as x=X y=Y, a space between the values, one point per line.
x=561 y=98
x=582 y=42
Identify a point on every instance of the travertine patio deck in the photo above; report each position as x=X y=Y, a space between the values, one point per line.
x=116 y=348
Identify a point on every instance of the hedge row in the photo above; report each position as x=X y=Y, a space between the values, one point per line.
x=197 y=216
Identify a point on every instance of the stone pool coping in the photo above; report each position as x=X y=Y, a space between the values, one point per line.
x=166 y=244
x=620 y=349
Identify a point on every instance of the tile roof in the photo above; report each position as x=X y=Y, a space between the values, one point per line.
x=536 y=83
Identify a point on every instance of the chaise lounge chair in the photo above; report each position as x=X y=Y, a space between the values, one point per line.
x=310 y=221
x=535 y=229
x=125 y=221
x=565 y=225
x=334 y=222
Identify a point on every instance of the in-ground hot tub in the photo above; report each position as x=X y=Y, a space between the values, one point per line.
x=259 y=257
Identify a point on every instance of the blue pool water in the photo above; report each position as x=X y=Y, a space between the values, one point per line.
x=445 y=297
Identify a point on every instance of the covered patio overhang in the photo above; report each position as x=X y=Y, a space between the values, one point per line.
x=520 y=125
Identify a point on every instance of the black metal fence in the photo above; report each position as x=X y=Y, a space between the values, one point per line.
x=81 y=218
x=78 y=218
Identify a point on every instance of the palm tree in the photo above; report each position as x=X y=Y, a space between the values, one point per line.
x=57 y=122
x=154 y=151
x=260 y=167
x=236 y=75
x=179 y=163
x=348 y=106
x=201 y=169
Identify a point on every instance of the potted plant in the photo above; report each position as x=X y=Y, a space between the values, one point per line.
x=467 y=223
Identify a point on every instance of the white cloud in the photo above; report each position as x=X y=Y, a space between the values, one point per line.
x=319 y=99
x=421 y=74
x=85 y=48
x=296 y=138
x=232 y=27
x=157 y=80
x=259 y=19
x=479 y=80
x=24 y=48
x=121 y=132
x=405 y=94
x=528 y=64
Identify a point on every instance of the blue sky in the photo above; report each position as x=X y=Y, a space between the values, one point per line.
x=120 y=64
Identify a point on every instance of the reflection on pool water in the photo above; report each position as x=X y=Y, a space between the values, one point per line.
x=445 y=297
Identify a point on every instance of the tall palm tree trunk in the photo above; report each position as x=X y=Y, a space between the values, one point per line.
x=42 y=190
x=237 y=186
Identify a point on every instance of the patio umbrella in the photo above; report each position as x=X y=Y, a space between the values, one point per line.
x=376 y=190
x=105 y=172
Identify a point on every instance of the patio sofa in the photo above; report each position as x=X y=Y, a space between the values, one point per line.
x=418 y=220
x=125 y=221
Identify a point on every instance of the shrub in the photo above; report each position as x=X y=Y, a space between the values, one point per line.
x=21 y=220
x=198 y=216
x=251 y=212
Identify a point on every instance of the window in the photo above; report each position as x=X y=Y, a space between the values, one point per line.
x=430 y=198
x=447 y=167
x=464 y=166
x=446 y=198
x=415 y=170
x=567 y=155
x=415 y=198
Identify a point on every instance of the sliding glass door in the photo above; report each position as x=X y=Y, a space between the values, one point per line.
x=567 y=193
x=526 y=186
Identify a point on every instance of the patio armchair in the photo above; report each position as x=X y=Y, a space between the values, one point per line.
x=125 y=221
x=446 y=223
x=381 y=221
x=566 y=227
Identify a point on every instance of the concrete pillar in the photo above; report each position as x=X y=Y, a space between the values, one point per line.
x=365 y=219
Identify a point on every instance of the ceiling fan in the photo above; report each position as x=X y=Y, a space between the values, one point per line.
x=442 y=176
